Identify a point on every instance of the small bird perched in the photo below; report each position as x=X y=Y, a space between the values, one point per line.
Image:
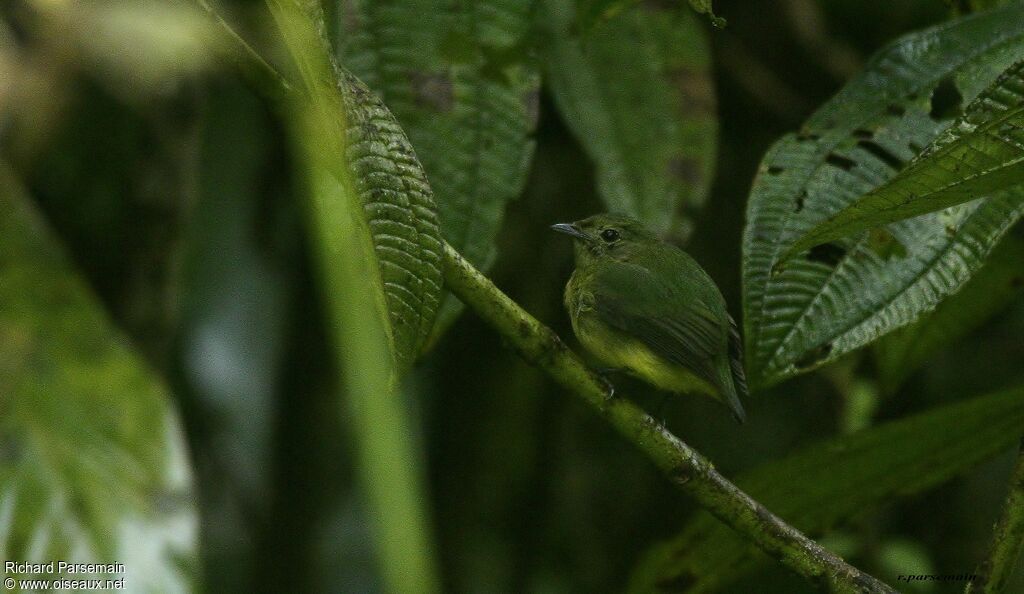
x=643 y=305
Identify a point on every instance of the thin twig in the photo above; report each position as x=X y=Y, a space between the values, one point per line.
x=995 y=571
x=684 y=466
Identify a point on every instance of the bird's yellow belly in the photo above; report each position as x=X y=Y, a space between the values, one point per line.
x=614 y=349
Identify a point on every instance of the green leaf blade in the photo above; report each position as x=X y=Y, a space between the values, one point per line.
x=843 y=295
x=92 y=460
x=636 y=92
x=462 y=81
x=823 y=485
x=991 y=289
x=981 y=153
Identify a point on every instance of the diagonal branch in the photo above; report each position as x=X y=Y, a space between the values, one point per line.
x=995 y=571
x=684 y=466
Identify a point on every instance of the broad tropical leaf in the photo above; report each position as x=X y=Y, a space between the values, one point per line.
x=990 y=290
x=820 y=487
x=92 y=461
x=461 y=79
x=637 y=94
x=843 y=295
x=981 y=153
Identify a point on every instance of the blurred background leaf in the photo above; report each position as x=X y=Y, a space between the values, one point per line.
x=844 y=294
x=462 y=80
x=637 y=94
x=94 y=467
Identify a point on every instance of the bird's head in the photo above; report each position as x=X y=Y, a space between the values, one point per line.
x=604 y=236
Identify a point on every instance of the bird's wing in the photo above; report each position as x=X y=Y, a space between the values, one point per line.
x=672 y=322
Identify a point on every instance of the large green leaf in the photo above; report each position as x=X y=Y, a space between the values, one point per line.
x=828 y=483
x=637 y=93
x=981 y=153
x=843 y=295
x=92 y=463
x=990 y=290
x=461 y=79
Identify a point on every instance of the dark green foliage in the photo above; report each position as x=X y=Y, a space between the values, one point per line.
x=462 y=80
x=979 y=154
x=637 y=94
x=998 y=284
x=804 y=312
x=100 y=469
x=273 y=254
x=829 y=483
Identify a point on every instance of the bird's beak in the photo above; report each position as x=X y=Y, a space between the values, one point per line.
x=570 y=229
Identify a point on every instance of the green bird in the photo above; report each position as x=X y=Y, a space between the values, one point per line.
x=645 y=306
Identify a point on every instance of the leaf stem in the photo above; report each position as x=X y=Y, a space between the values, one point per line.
x=994 y=573
x=685 y=467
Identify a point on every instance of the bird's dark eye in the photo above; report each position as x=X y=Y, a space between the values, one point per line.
x=610 y=235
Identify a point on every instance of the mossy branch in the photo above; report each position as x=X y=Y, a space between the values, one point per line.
x=684 y=466
x=995 y=571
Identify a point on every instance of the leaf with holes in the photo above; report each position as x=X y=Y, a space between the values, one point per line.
x=997 y=284
x=842 y=295
x=981 y=153
x=92 y=461
x=637 y=93
x=829 y=483
x=460 y=78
